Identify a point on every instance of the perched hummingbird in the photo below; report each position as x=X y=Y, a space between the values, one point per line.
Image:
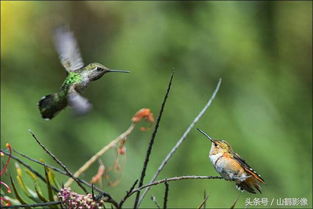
x=77 y=79
x=232 y=167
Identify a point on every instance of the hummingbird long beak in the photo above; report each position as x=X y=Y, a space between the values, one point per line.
x=118 y=71
x=205 y=134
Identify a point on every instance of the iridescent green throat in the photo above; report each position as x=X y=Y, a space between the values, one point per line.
x=72 y=78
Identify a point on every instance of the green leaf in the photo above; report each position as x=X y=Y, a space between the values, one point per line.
x=18 y=197
x=20 y=179
x=33 y=195
x=50 y=192
x=36 y=185
x=22 y=185
x=40 y=195
x=31 y=174
x=29 y=193
x=13 y=200
x=52 y=178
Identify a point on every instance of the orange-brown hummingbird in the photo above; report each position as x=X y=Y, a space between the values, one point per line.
x=232 y=167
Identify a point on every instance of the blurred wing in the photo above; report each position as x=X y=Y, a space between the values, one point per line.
x=77 y=102
x=67 y=49
x=248 y=168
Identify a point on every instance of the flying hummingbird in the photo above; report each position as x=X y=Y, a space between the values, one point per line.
x=232 y=167
x=78 y=78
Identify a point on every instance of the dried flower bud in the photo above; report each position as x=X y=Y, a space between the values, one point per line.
x=143 y=113
x=96 y=178
x=4 y=168
x=117 y=166
x=5 y=202
x=121 y=150
x=6 y=186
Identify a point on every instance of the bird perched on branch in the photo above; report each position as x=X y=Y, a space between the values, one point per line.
x=232 y=167
x=78 y=78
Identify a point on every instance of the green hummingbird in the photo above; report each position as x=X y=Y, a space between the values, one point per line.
x=78 y=78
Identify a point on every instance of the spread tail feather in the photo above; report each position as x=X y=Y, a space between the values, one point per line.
x=249 y=185
x=244 y=186
x=50 y=105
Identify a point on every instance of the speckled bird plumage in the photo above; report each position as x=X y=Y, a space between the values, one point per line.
x=77 y=79
x=232 y=167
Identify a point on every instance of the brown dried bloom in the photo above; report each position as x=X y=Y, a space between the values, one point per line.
x=143 y=113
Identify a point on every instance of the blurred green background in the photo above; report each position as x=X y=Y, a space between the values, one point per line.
x=262 y=50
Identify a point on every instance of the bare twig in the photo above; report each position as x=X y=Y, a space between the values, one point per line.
x=234 y=204
x=183 y=137
x=154 y=200
x=205 y=197
x=33 y=205
x=93 y=191
x=99 y=154
x=110 y=199
x=165 y=195
x=178 y=178
x=203 y=203
x=143 y=172
x=41 y=163
x=29 y=168
x=57 y=161
x=127 y=194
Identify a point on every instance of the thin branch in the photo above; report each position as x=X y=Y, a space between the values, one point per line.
x=99 y=154
x=41 y=163
x=165 y=195
x=183 y=137
x=177 y=178
x=29 y=168
x=234 y=204
x=57 y=161
x=203 y=203
x=154 y=200
x=127 y=194
x=148 y=153
x=93 y=192
x=205 y=197
x=33 y=205
x=110 y=199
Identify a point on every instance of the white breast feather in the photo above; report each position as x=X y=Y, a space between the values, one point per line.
x=214 y=158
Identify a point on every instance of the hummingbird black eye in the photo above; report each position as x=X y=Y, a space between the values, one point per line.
x=99 y=69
